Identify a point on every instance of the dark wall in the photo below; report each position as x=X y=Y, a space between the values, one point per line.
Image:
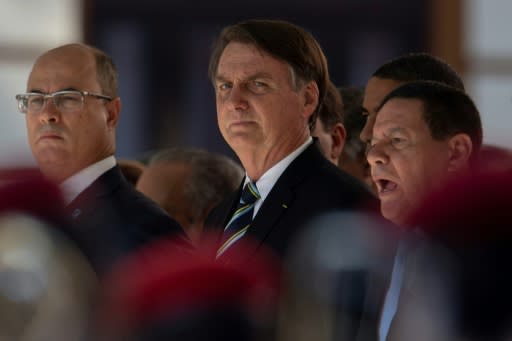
x=162 y=50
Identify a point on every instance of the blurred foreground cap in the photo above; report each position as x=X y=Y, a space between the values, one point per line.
x=469 y=226
x=46 y=286
x=27 y=190
x=338 y=272
x=471 y=208
x=163 y=292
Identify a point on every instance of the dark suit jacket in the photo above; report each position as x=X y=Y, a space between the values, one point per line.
x=110 y=219
x=310 y=186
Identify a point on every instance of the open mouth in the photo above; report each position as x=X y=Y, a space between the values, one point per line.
x=385 y=186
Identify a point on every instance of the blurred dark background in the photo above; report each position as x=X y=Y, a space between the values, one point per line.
x=162 y=50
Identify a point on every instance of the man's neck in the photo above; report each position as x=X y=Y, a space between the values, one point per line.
x=58 y=173
x=257 y=162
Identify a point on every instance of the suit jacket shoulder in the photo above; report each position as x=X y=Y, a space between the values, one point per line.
x=309 y=187
x=110 y=219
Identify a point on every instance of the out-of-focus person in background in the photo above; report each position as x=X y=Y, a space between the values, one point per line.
x=72 y=109
x=328 y=127
x=336 y=277
x=47 y=287
x=353 y=156
x=406 y=68
x=161 y=293
x=270 y=77
x=337 y=128
x=131 y=169
x=188 y=183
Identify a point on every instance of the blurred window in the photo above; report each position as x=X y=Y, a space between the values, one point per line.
x=28 y=28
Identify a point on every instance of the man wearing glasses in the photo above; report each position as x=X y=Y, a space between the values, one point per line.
x=72 y=108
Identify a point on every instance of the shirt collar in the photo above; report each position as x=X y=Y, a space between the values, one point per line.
x=267 y=181
x=77 y=183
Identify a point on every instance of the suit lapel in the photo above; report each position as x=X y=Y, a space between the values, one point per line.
x=219 y=217
x=275 y=205
x=279 y=200
x=103 y=185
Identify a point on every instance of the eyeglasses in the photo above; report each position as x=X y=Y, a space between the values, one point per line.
x=65 y=101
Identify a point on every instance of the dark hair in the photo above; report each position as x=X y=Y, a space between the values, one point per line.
x=419 y=66
x=354 y=122
x=446 y=110
x=331 y=110
x=284 y=41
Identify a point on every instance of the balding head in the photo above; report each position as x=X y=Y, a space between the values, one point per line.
x=63 y=141
x=105 y=69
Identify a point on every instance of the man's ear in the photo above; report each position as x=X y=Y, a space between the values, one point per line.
x=338 y=135
x=113 y=110
x=311 y=95
x=460 y=147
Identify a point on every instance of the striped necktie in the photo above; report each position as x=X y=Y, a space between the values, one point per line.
x=241 y=219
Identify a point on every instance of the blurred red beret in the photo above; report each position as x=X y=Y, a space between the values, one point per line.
x=471 y=208
x=162 y=280
x=27 y=190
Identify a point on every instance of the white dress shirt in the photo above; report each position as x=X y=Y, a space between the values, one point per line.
x=270 y=177
x=77 y=183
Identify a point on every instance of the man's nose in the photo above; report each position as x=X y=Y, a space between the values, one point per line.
x=49 y=112
x=375 y=154
x=237 y=98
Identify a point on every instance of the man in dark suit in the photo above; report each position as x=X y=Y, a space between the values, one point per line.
x=270 y=78
x=388 y=77
x=424 y=134
x=72 y=108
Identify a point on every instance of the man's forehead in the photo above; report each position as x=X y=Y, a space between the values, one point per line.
x=58 y=67
x=400 y=112
x=246 y=58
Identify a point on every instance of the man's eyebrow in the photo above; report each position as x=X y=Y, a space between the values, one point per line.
x=397 y=130
x=260 y=75
x=257 y=75
x=220 y=79
x=42 y=92
x=393 y=129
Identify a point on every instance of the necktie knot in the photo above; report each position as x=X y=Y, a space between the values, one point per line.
x=250 y=194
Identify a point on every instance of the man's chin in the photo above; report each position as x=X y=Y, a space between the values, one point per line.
x=243 y=141
x=51 y=157
x=395 y=213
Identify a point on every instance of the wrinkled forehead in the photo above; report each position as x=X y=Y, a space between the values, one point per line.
x=246 y=61
x=404 y=113
x=246 y=55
